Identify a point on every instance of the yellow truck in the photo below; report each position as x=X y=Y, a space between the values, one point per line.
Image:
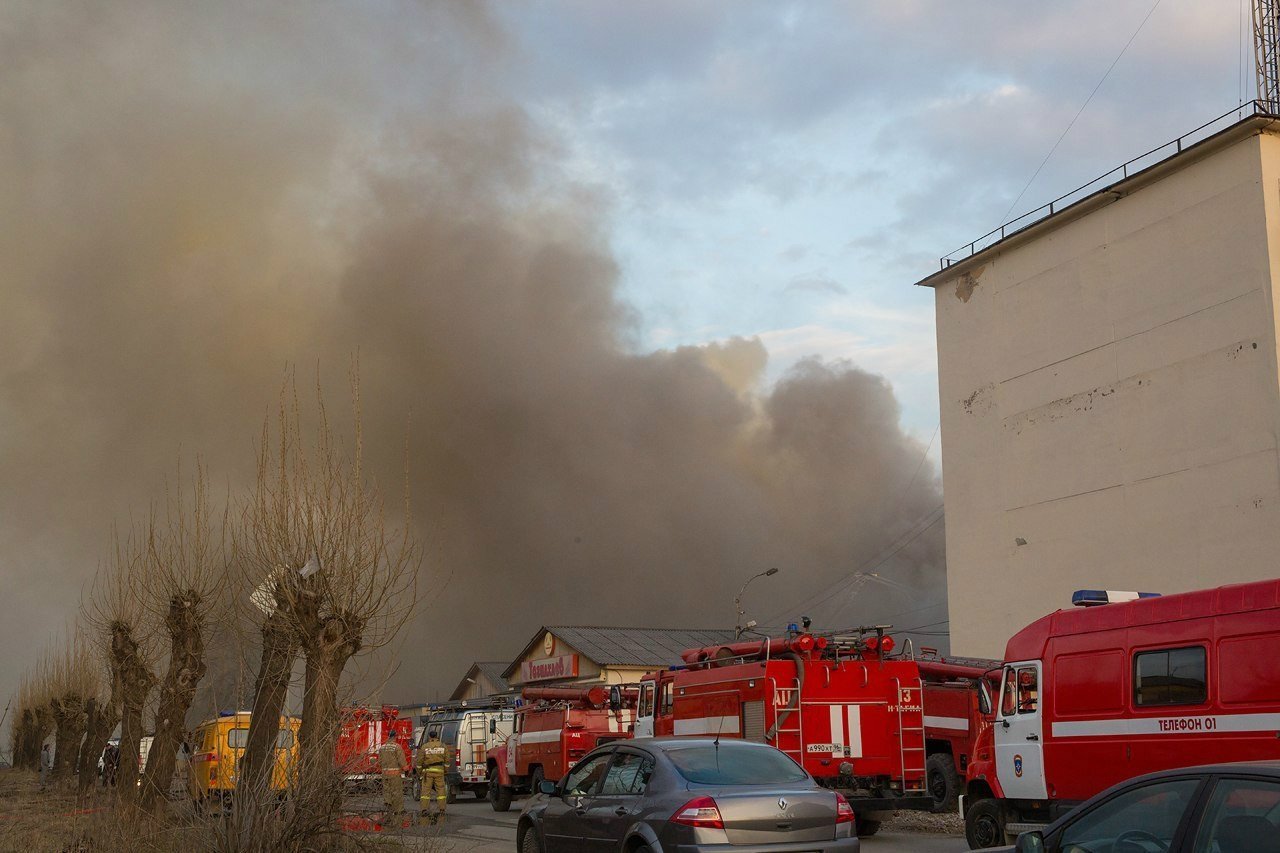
x=218 y=745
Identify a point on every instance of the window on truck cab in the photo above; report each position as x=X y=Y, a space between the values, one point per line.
x=1170 y=677
x=666 y=698
x=646 y=700
x=1021 y=691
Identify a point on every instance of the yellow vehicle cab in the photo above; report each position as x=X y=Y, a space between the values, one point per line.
x=218 y=745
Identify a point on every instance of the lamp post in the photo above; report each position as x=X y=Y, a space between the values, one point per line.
x=737 y=600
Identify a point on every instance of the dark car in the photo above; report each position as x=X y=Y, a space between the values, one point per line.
x=1221 y=808
x=652 y=795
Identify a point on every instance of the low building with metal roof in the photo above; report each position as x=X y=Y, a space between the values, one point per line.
x=591 y=654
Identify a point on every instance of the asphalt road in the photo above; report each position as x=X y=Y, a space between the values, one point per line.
x=472 y=826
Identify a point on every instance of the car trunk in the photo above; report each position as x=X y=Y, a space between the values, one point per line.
x=777 y=815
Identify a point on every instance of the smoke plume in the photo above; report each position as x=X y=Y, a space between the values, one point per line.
x=197 y=195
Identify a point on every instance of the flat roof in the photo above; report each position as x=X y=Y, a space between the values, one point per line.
x=1210 y=137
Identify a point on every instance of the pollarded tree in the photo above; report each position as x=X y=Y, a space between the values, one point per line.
x=73 y=683
x=340 y=581
x=117 y=618
x=188 y=569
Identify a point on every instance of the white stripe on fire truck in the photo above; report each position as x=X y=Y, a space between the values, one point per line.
x=708 y=726
x=946 y=723
x=1208 y=724
x=837 y=726
x=549 y=736
x=854 y=715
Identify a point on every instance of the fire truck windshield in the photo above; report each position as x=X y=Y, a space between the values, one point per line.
x=733 y=764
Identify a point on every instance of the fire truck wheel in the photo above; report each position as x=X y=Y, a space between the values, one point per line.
x=984 y=825
x=535 y=779
x=943 y=782
x=499 y=795
x=865 y=828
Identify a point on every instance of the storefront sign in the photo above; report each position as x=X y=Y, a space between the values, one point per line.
x=564 y=666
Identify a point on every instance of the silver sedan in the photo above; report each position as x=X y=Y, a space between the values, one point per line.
x=686 y=795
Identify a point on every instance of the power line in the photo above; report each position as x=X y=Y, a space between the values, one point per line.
x=1081 y=110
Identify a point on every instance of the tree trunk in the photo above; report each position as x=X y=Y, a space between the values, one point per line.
x=95 y=741
x=28 y=751
x=90 y=724
x=307 y=727
x=329 y=646
x=68 y=714
x=135 y=683
x=279 y=648
x=43 y=728
x=186 y=668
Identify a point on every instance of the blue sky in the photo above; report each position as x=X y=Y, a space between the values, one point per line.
x=788 y=170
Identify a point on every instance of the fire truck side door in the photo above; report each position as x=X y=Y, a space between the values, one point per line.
x=1019 y=733
x=644 y=710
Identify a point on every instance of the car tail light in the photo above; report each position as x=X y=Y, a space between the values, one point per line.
x=699 y=812
x=844 y=811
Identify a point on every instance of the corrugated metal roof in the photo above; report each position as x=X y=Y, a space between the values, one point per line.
x=608 y=646
x=492 y=670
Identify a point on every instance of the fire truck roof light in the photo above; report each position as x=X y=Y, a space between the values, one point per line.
x=1095 y=597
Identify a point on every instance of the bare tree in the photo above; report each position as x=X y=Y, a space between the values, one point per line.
x=116 y=614
x=188 y=566
x=72 y=683
x=339 y=581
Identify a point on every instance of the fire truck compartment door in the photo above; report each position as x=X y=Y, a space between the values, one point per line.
x=1019 y=733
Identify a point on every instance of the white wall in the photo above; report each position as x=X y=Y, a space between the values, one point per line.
x=1109 y=395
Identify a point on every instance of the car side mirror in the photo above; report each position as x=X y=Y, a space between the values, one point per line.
x=548 y=787
x=1030 y=842
x=493 y=727
x=615 y=698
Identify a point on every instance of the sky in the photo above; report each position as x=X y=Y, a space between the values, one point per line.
x=638 y=275
x=788 y=170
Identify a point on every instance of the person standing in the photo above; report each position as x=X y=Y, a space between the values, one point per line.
x=434 y=757
x=392 y=760
x=110 y=765
x=46 y=764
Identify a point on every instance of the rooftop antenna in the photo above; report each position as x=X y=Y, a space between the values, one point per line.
x=1266 y=52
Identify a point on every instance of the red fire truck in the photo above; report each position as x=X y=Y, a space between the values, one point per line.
x=848 y=714
x=957 y=710
x=363 y=733
x=556 y=728
x=1092 y=696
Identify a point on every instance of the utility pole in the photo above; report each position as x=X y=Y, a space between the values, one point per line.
x=1266 y=52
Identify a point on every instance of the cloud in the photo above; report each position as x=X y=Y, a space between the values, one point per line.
x=815 y=284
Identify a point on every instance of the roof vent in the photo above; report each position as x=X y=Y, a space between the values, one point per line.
x=1095 y=597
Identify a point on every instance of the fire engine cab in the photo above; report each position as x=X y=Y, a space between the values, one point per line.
x=852 y=717
x=1125 y=684
x=957 y=710
x=556 y=727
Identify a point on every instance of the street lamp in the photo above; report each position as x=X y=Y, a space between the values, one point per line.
x=737 y=601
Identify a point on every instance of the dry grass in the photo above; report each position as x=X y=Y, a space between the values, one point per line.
x=55 y=820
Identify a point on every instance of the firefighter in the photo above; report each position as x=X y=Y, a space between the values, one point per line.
x=391 y=759
x=433 y=758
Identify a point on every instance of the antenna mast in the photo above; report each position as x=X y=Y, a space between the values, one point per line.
x=1266 y=51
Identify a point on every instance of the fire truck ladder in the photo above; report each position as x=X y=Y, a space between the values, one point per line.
x=794 y=721
x=911 y=743
x=477 y=740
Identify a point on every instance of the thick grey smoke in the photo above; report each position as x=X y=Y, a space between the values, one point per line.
x=196 y=195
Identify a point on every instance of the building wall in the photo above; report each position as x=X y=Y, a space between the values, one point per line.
x=1109 y=396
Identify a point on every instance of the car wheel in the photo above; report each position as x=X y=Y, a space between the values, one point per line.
x=499 y=795
x=943 y=783
x=984 y=825
x=865 y=828
x=530 y=843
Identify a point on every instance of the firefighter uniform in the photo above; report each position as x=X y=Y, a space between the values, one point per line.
x=393 y=762
x=434 y=756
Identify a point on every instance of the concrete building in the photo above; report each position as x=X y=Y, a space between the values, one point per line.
x=571 y=654
x=1110 y=399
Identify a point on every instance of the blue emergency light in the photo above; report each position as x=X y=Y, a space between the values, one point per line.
x=1095 y=597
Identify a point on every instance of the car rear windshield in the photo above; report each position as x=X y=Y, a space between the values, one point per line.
x=726 y=765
